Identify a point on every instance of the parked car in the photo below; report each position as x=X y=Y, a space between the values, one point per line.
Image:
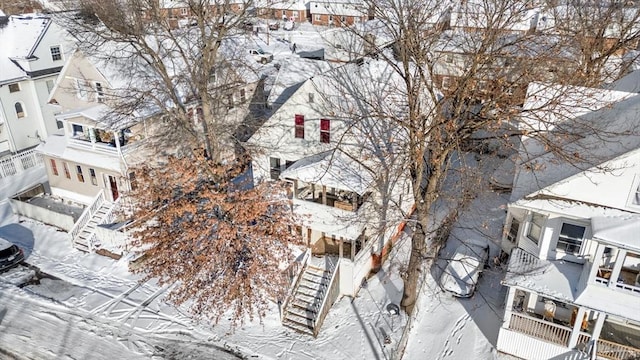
x=260 y=56
x=10 y=255
x=460 y=277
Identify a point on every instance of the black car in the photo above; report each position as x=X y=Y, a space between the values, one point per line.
x=10 y=255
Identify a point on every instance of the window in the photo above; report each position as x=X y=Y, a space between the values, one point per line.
x=284 y=13
x=67 y=174
x=343 y=19
x=535 y=227
x=446 y=82
x=243 y=95
x=183 y=11
x=56 y=54
x=92 y=174
x=59 y=124
x=325 y=131
x=317 y=17
x=311 y=97
x=512 y=235
x=570 y=238
x=99 y=92
x=50 y=85
x=274 y=163
x=81 y=91
x=330 y=18
x=14 y=87
x=299 y=123
x=54 y=167
x=636 y=196
x=19 y=110
x=78 y=130
x=230 y=101
x=79 y=173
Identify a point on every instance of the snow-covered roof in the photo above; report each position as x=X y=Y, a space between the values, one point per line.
x=56 y=145
x=619 y=303
x=587 y=126
x=621 y=231
x=282 y=4
x=481 y=14
x=555 y=279
x=291 y=75
x=332 y=169
x=338 y=7
x=18 y=40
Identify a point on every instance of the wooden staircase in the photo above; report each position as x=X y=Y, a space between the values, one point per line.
x=312 y=295
x=84 y=240
x=83 y=232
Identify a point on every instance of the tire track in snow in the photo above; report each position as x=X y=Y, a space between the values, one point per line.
x=457 y=328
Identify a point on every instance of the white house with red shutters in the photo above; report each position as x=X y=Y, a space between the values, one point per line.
x=326 y=145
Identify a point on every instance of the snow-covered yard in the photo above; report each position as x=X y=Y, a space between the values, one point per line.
x=94 y=308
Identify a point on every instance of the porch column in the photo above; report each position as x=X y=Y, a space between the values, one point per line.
x=324 y=196
x=295 y=188
x=597 y=327
x=597 y=259
x=340 y=244
x=353 y=250
x=615 y=273
x=117 y=139
x=508 y=307
x=577 y=326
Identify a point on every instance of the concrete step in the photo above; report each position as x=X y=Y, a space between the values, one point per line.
x=305 y=306
x=315 y=277
x=305 y=298
x=314 y=293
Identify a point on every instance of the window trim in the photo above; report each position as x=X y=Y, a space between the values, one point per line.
x=581 y=241
x=446 y=80
x=99 y=91
x=14 y=86
x=67 y=173
x=92 y=175
x=325 y=131
x=275 y=168
x=57 y=54
x=54 y=167
x=79 y=173
x=20 y=111
x=509 y=234
x=530 y=225
x=298 y=126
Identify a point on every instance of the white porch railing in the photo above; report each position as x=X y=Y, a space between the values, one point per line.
x=299 y=269
x=18 y=163
x=540 y=329
x=86 y=216
x=613 y=351
x=329 y=295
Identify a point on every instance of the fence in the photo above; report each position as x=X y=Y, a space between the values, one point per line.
x=18 y=163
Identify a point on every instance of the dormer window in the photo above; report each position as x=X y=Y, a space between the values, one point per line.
x=56 y=53
x=81 y=91
x=535 y=227
x=311 y=97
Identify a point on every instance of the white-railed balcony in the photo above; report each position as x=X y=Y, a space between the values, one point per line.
x=113 y=147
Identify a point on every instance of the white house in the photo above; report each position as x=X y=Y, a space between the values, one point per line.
x=572 y=232
x=329 y=147
x=32 y=52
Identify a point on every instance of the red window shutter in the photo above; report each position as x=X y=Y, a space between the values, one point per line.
x=324 y=124
x=299 y=120
x=299 y=126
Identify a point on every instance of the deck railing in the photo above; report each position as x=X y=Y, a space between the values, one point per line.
x=18 y=163
x=540 y=329
x=614 y=351
x=86 y=216
x=329 y=295
x=298 y=269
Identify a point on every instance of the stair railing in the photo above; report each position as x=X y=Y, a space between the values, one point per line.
x=329 y=295
x=86 y=215
x=295 y=282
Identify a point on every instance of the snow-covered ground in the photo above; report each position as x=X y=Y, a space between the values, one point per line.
x=94 y=308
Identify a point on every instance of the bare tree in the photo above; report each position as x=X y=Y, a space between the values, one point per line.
x=197 y=222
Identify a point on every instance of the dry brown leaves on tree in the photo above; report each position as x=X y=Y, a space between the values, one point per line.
x=223 y=246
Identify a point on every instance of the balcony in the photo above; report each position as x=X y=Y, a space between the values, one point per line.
x=341 y=199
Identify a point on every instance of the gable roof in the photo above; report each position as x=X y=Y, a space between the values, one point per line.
x=18 y=40
x=621 y=231
x=592 y=128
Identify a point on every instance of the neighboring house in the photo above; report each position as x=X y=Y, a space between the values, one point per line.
x=572 y=232
x=296 y=10
x=32 y=52
x=324 y=144
x=339 y=12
